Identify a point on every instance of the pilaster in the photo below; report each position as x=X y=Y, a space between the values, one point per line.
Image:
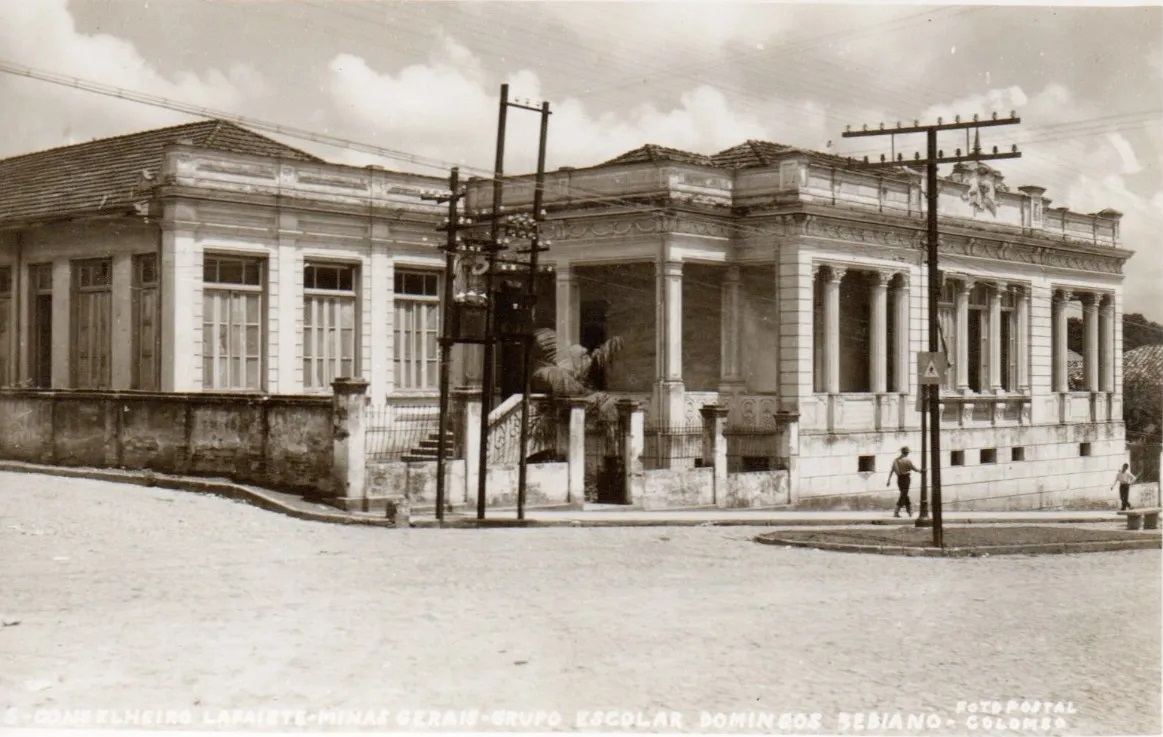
x=121 y=293
x=1022 y=318
x=901 y=306
x=1106 y=338
x=832 y=278
x=1090 y=341
x=878 y=362
x=961 y=306
x=1061 y=371
x=668 y=369
x=995 y=337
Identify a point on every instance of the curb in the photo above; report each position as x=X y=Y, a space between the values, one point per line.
x=251 y=495
x=969 y=552
x=263 y=499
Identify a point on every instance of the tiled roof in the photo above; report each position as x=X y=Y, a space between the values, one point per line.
x=102 y=174
x=651 y=152
x=1145 y=363
x=749 y=154
x=746 y=155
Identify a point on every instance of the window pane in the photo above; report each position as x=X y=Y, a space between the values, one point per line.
x=210 y=270
x=230 y=271
x=252 y=373
x=252 y=274
x=347 y=278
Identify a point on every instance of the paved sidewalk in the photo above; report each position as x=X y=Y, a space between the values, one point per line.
x=592 y=515
x=605 y=517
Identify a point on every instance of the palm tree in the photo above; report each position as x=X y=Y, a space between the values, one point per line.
x=577 y=374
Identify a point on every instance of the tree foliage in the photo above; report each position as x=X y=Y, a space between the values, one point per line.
x=577 y=374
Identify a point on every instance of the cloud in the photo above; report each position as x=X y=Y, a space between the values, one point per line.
x=43 y=35
x=447 y=108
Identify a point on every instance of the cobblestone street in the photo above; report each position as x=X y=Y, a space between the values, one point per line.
x=137 y=598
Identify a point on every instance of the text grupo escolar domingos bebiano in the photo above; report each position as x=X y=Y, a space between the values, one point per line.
x=1014 y=716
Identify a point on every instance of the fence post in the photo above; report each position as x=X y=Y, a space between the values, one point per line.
x=632 y=436
x=715 y=449
x=469 y=398
x=349 y=442
x=789 y=448
x=577 y=452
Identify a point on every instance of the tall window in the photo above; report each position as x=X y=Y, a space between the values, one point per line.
x=947 y=321
x=417 y=330
x=1009 y=341
x=329 y=324
x=145 y=318
x=5 y=326
x=40 y=324
x=232 y=324
x=92 y=322
x=978 y=339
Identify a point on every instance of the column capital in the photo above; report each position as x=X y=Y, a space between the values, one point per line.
x=1088 y=299
x=711 y=411
x=962 y=284
x=732 y=274
x=879 y=278
x=1062 y=295
x=1106 y=301
x=902 y=280
x=834 y=273
x=669 y=268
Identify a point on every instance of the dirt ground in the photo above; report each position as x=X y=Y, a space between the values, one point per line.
x=127 y=599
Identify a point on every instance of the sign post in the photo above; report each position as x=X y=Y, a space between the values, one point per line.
x=931 y=370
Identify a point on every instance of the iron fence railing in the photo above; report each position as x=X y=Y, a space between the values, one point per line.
x=675 y=446
x=397 y=432
x=753 y=449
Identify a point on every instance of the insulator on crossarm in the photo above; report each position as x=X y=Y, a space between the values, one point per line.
x=1013 y=114
x=882 y=126
x=882 y=158
x=975 y=117
x=940 y=154
x=865 y=159
x=958 y=152
x=900 y=157
x=956 y=118
x=995 y=149
x=864 y=127
x=940 y=121
x=1015 y=148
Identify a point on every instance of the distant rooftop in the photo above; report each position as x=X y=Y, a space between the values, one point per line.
x=102 y=174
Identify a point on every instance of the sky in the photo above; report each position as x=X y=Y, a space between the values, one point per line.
x=423 y=77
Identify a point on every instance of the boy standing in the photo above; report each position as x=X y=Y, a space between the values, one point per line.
x=902 y=467
x=1124 y=479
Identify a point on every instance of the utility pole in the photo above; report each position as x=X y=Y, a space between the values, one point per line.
x=487 y=379
x=530 y=304
x=935 y=156
x=452 y=197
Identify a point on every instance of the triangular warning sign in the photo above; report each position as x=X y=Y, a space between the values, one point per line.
x=931 y=370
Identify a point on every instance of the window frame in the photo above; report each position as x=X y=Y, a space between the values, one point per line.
x=232 y=289
x=313 y=295
x=145 y=351
x=98 y=369
x=419 y=367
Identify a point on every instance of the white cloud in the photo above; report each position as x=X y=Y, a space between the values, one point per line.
x=447 y=110
x=43 y=35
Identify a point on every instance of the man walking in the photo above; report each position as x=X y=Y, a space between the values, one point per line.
x=1124 y=479
x=902 y=467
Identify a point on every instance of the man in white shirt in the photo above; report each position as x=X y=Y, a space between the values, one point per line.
x=1124 y=479
x=902 y=467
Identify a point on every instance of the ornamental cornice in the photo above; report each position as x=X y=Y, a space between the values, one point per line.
x=599 y=228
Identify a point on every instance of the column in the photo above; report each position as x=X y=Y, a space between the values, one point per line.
x=668 y=358
x=1090 y=342
x=349 y=459
x=181 y=304
x=878 y=362
x=961 y=309
x=1106 y=340
x=901 y=304
x=632 y=437
x=576 y=487
x=995 y=337
x=730 y=376
x=62 y=311
x=285 y=296
x=1061 y=372
x=122 y=358
x=1022 y=318
x=715 y=449
x=832 y=277
x=567 y=309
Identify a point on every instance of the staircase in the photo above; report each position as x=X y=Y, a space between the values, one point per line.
x=428 y=448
